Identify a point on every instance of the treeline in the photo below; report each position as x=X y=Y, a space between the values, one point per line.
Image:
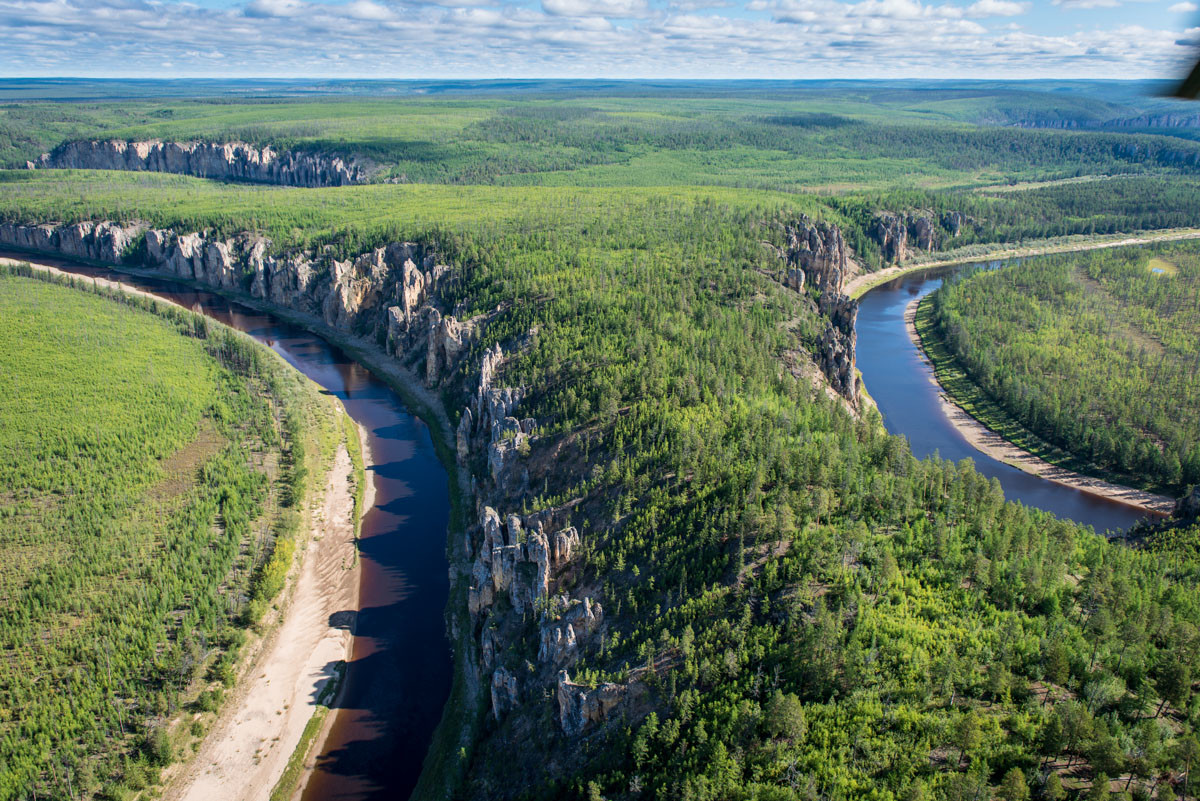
x=1096 y=353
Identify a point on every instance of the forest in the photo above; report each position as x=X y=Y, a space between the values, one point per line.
x=797 y=607
x=1095 y=353
x=151 y=469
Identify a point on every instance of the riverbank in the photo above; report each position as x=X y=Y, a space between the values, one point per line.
x=249 y=747
x=988 y=441
x=301 y=653
x=865 y=282
x=463 y=712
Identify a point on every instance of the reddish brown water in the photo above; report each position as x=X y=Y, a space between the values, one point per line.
x=398 y=679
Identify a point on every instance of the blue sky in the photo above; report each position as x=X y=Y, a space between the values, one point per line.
x=791 y=39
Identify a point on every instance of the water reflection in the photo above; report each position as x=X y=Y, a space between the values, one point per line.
x=399 y=675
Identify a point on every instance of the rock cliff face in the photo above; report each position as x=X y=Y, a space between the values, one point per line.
x=836 y=347
x=1188 y=506
x=105 y=241
x=898 y=234
x=228 y=161
x=580 y=706
x=816 y=256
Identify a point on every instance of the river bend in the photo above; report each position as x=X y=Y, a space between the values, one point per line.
x=399 y=675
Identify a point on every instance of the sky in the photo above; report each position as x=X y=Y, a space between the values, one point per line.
x=779 y=39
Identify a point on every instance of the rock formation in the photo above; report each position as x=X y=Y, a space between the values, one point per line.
x=105 y=241
x=1188 y=506
x=564 y=625
x=504 y=692
x=226 y=161
x=836 y=346
x=580 y=706
x=389 y=296
x=890 y=231
x=816 y=255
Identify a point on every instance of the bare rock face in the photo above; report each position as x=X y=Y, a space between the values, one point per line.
x=817 y=256
x=104 y=242
x=566 y=543
x=566 y=624
x=558 y=643
x=538 y=551
x=580 y=706
x=891 y=232
x=836 y=346
x=447 y=339
x=816 y=253
x=953 y=222
x=505 y=695
x=923 y=231
x=231 y=160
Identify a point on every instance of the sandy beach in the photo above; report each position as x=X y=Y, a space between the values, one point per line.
x=985 y=440
x=248 y=747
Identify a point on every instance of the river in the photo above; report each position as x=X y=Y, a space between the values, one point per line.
x=399 y=675
x=901 y=382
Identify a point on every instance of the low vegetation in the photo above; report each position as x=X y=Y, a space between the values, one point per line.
x=152 y=466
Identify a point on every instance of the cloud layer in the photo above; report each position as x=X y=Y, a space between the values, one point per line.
x=584 y=38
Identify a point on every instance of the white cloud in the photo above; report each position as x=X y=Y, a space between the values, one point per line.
x=615 y=9
x=996 y=8
x=1183 y=8
x=365 y=9
x=1084 y=4
x=568 y=38
x=275 y=8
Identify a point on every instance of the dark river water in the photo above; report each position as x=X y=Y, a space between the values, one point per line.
x=399 y=675
x=901 y=382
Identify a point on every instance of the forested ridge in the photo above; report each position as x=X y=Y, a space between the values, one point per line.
x=803 y=608
x=151 y=469
x=1096 y=353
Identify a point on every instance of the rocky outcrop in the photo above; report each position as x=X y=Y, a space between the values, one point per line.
x=105 y=241
x=898 y=234
x=890 y=231
x=816 y=255
x=505 y=695
x=1188 y=506
x=565 y=625
x=580 y=706
x=836 y=346
x=515 y=557
x=953 y=222
x=226 y=161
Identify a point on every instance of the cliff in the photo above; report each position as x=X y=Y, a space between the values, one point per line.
x=229 y=161
x=899 y=233
x=519 y=567
x=816 y=256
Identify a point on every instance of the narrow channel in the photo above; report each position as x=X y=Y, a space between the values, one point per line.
x=901 y=382
x=398 y=678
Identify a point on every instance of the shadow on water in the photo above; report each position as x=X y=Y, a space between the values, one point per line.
x=399 y=673
x=901 y=383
